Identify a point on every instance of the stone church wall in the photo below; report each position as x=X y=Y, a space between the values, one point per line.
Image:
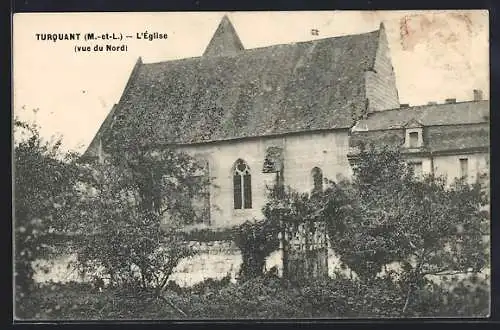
x=380 y=83
x=301 y=152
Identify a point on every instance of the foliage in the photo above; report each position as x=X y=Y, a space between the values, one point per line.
x=81 y=301
x=385 y=215
x=256 y=240
x=44 y=180
x=388 y=215
x=114 y=209
x=121 y=208
x=263 y=298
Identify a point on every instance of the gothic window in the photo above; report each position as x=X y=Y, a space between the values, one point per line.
x=317 y=176
x=242 y=185
x=201 y=197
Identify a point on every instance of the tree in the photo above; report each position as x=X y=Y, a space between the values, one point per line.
x=387 y=215
x=120 y=211
x=44 y=178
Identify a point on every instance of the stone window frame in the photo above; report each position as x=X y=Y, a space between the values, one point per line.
x=420 y=141
x=242 y=185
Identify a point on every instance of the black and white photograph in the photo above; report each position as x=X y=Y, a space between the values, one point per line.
x=264 y=165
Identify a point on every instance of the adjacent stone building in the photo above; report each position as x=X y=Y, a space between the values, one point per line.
x=449 y=139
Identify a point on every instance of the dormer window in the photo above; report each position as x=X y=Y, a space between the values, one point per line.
x=414 y=138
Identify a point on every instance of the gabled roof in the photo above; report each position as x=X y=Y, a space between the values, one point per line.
x=272 y=90
x=472 y=112
x=413 y=123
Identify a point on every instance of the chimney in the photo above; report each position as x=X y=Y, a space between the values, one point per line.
x=404 y=105
x=432 y=103
x=478 y=95
x=451 y=101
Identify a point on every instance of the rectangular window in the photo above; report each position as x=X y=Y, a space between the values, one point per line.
x=417 y=169
x=464 y=167
x=413 y=136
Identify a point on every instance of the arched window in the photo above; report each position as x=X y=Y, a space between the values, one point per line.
x=242 y=185
x=317 y=176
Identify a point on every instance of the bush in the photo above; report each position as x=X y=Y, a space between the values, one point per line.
x=256 y=240
x=266 y=297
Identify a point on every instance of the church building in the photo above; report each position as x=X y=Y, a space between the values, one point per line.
x=297 y=109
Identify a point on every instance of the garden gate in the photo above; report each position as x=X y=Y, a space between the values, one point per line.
x=305 y=250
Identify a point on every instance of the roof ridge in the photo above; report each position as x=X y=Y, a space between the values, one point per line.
x=425 y=105
x=247 y=50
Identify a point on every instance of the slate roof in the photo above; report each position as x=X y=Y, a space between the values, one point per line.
x=472 y=112
x=446 y=127
x=93 y=148
x=271 y=90
x=449 y=138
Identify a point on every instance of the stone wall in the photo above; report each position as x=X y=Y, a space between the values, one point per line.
x=301 y=153
x=213 y=260
x=381 y=90
x=449 y=165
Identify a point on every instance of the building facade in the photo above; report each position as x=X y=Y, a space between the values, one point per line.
x=300 y=109
x=449 y=139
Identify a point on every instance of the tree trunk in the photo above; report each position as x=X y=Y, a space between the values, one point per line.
x=412 y=282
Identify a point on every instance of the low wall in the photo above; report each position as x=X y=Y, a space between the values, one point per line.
x=213 y=260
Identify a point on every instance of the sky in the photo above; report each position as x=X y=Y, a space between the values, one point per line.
x=435 y=55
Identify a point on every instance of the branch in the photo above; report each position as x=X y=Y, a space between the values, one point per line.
x=441 y=273
x=409 y=241
x=177 y=309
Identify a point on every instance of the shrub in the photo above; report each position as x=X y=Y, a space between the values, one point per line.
x=256 y=240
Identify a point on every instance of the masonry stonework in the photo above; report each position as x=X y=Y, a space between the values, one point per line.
x=302 y=152
x=381 y=90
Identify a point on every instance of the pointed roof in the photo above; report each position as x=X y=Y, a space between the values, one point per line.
x=225 y=40
x=280 y=89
